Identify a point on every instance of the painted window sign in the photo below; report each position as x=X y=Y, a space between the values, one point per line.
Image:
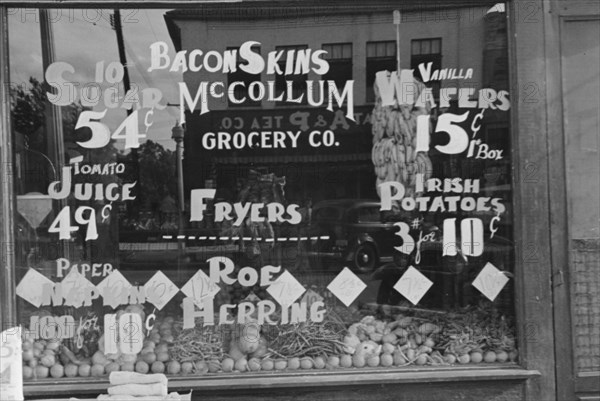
x=283 y=195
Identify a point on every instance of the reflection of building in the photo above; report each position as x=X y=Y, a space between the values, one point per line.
x=357 y=53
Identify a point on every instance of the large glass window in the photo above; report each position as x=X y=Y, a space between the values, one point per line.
x=160 y=229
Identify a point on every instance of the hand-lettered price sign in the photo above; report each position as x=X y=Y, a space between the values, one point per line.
x=413 y=285
x=160 y=290
x=123 y=333
x=114 y=289
x=200 y=288
x=76 y=288
x=33 y=286
x=346 y=286
x=286 y=289
x=490 y=281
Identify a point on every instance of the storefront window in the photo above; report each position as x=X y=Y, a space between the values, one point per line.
x=165 y=225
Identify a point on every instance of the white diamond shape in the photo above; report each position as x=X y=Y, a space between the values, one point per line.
x=346 y=286
x=200 y=287
x=32 y=286
x=159 y=290
x=413 y=285
x=114 y=289
x=286 y=289
x=75 y=287
x=490 y=281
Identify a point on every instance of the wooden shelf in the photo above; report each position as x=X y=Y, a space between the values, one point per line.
x=314 y=378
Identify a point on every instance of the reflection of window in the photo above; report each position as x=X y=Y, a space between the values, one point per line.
x=327 y=213
x=298 y=80
x=242 y=76
x=369 y=215
x=381 y=56
x=339 y=57
x=141 y=235
x=427 y=51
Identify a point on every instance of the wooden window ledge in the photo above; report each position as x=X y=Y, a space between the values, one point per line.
x=314 y=378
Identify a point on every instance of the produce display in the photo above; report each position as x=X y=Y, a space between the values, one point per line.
x=471 y=335
x=394 y=153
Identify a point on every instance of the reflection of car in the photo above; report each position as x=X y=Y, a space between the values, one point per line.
x=351 y=231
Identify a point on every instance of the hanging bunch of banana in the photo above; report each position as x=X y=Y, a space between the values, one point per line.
x=394 y=144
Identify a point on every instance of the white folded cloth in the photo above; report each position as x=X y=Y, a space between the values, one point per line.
x=117 y=378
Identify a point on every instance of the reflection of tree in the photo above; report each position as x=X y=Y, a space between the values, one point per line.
x=157 y=175
x=30 y=118
x=27 y=107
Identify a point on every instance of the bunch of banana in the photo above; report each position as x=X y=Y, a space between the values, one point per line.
x=394 y=153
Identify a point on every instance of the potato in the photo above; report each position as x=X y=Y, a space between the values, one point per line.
x=149 y=358
x=97 y=370
x=128 y=367
x=112 y=367
x=389 y=338
x=262 y=348
x=267 y=364
x=187 y=368
x=214 y=366
x=373 y=361
x=388 y=348
x=142 y=367
x=358 y=360
x=27 y=355
x=234 y=351
x=450 y=358
x=71 y=370
x=489 y=357
x=421 y=359
x=333 y=362
x=57 y=371
x=241 y=365
x=173 y=368
x=200 y=367
x=48 y=361
x=27 y=372
x=162 y=356
x=99 y=358
x=158 y=367
x=227 y=365
x=84 y=370
x=319 y=362
x=399 y=358
x=387 y=360
x=501 y=356
x=41 y=372
x=254 y=364
x=476 y=357
x=346 y=361
x=306 y=363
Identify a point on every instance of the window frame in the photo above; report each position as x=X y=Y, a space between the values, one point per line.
x=531 y=204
